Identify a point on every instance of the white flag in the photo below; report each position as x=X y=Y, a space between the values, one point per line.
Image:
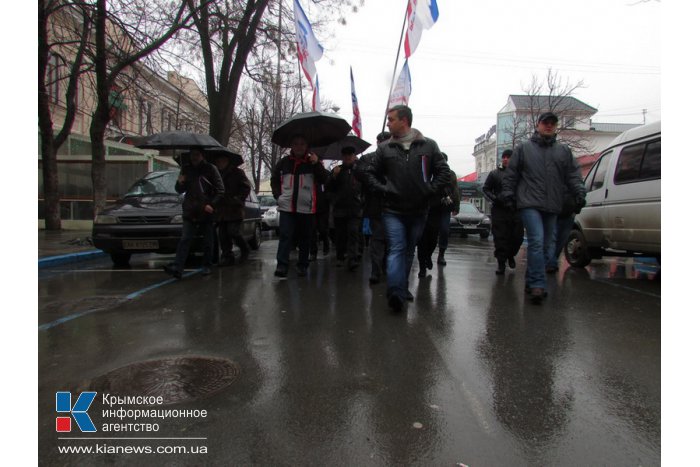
x=402 y=88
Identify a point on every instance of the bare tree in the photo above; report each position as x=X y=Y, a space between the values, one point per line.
x=70 y=24
x=551 y=94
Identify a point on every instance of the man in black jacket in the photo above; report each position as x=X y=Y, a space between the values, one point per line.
x=505 y=222
x=537 y=177
x=347 y=209
x=230 y=211
x=408 y=169
x=203 y=188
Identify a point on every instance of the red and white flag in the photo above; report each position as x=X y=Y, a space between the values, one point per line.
x=356 y=120
x=309 y=50
x=402 y=87
x=422 y=14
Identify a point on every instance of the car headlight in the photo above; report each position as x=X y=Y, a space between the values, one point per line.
x=105 y=219
x=177 y=219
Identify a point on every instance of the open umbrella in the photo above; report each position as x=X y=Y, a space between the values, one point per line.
x=318 y=128
x=178 y=140
x=212 y=153
x=332 y=151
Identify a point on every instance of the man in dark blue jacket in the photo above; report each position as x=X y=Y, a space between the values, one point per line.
x=408 y=169
x=536 y=181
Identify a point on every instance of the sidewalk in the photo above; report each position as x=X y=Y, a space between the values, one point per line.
x=65 y=246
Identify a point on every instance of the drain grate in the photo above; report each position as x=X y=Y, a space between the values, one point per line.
x=178 y=379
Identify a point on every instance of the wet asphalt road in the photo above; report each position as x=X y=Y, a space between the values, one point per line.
x=326 y=374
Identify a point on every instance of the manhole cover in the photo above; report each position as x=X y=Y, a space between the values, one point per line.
x=178 y=379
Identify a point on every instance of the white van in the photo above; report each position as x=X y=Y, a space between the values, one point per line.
x=622 y=216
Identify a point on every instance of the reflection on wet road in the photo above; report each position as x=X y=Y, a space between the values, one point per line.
x=472 y=373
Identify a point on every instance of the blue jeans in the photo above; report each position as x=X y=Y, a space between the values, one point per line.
x=294 y=229
x=562 y=229
x=401 y=233
x=189 y=229
x=540 y=232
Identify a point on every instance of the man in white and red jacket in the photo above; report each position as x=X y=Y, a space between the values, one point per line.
x=294 y=182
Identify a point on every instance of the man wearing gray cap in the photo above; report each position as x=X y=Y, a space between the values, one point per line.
x=537 y=177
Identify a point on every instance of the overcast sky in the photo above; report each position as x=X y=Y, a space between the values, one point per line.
x=480 y=52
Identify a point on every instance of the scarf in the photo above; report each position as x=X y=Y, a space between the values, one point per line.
x=406 y=140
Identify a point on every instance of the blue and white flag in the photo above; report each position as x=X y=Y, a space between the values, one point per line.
x=309 y=50
x=402 y=88
x=356 y=120
x=422 y=14
x=316 y=101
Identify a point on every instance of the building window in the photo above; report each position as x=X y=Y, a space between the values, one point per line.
x=52 y=78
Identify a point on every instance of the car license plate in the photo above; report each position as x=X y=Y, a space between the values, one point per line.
x=139 y=244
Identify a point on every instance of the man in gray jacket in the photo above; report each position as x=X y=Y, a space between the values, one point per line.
x=537 y=177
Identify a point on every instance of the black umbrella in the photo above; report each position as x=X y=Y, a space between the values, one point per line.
x=178 y=140
x=212 y=153
x=332 y=151
x=318 y=128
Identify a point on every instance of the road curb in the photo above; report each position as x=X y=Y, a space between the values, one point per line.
x=70 y=258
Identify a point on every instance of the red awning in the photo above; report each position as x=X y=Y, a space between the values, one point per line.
x=468 y=178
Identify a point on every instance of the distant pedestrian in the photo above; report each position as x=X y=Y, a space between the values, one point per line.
x=294 y=183
x=230 y=211
x=203 y=188
x=372 y=211
x=537 y=177
x=437 y=225
x=409 y=169
x=347 y=209
x=506 y=226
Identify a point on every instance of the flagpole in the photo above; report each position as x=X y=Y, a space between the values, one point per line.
x=301 y=86
x=398 y=51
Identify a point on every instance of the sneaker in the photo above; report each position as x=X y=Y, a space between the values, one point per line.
x=536 y=295
x=281 y=271
x=511 y=262
x=173 y=271
x=396 y=303
x=409 y=296
x=206 y=270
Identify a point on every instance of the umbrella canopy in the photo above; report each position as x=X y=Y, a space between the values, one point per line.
x=178 y=140
x=332 y=151
x=318 y=128
x=212 y=153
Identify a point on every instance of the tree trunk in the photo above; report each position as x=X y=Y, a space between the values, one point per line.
x=52 y=198
x=98 y=128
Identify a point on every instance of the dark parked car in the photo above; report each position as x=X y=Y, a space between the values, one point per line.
x=470 y=221
x=148 y=219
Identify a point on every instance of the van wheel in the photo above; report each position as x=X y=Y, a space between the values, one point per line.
x=257 y=238
x=120 y=259
x=576 y=250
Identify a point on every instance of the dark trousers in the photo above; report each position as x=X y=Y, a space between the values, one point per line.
x=507 y=229
x=294 y=227
x=429 y=238
x=319 y=232
x=348 y=236
x=377 y=244
x=229 y=233
x=444 y=229
x=189 y=230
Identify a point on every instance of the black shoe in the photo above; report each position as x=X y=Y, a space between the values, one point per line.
x=429 y=263
x=501 y=267
x=281 y=271
x=227 y=261
x=245 y=252
x=170 y=269
x=528 y=290
x=537 y=295
x=441 y=260
x=302 y=271
x=409 y=296
x=511 y=262
x=422 y=272
x=396 y=303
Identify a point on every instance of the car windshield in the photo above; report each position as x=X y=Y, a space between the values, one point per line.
x=267 y=200
x=154 y=183
x=468 y=208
